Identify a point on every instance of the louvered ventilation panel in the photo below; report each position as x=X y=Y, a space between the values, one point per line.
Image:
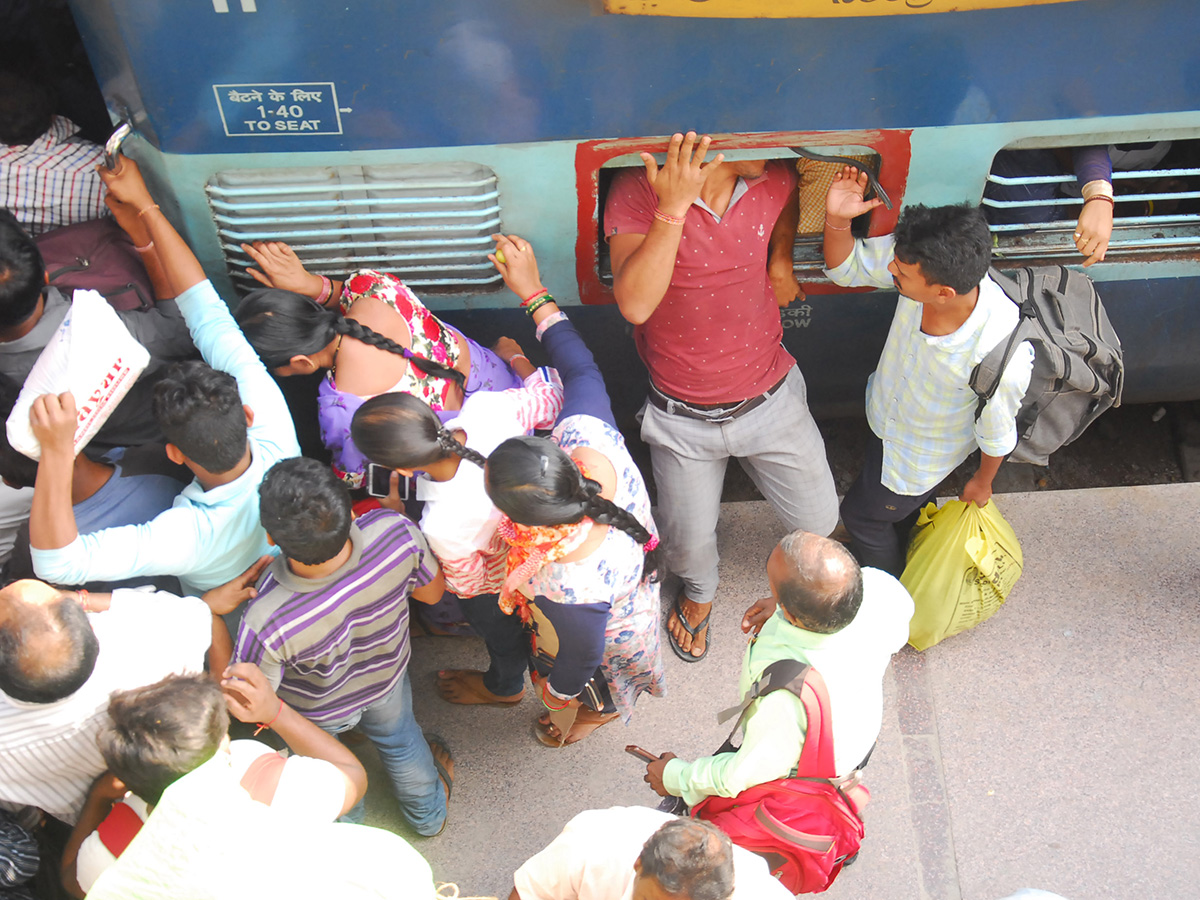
x=429 y=224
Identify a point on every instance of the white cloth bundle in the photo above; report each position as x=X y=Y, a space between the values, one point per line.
x=93 y=356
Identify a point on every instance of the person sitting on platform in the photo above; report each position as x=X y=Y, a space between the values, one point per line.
x=824 y=610
x=643 y=854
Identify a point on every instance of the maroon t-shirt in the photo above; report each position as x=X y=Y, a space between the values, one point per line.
x=715 y=338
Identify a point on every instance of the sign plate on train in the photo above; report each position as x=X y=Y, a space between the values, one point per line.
x=278 y=110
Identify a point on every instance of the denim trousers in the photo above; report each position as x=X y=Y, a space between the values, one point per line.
x=507 y=643
x=406 y=758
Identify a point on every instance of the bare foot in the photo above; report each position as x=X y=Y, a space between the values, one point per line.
x=466 y=686
x=694 y=613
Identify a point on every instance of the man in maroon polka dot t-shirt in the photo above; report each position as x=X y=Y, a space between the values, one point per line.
x=702 y=259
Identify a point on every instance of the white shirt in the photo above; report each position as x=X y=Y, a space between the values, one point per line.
x=308 y=790
x=48 y=753
x=459 y=520
x=919 y=399
x=593 y=857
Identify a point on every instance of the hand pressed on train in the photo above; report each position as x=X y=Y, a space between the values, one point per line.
x=1094 y=229
x=126 y=184
x=679 y=181
x=845 y=198
x=280 y=267
x=515 y=261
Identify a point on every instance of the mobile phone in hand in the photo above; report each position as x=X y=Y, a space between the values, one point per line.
x=644 y=755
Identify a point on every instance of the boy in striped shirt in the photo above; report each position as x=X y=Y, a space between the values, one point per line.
x=329 y=626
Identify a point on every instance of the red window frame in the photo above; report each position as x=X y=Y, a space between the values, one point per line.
x=893 y=146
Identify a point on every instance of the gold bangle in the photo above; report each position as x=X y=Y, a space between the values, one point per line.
x=146 y=209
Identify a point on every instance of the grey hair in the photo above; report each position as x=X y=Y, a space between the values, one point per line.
x=690 y=858
x=823 y=588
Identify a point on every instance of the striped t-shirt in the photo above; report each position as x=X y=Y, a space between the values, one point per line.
x=333 y=646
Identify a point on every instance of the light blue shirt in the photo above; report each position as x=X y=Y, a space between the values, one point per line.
x=208 y=537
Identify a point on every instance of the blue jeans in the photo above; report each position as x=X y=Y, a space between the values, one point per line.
x=507 y=643
x=406 y=758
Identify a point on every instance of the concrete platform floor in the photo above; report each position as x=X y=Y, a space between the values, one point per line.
x=1055 y=746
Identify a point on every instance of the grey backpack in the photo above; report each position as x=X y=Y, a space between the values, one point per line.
x=1078 y=371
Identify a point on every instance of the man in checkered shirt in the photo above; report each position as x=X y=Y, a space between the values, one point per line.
x=920 y=404
x=47 y=174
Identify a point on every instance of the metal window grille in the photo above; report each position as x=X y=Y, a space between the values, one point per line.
x=1157 y=214
x=428 y=224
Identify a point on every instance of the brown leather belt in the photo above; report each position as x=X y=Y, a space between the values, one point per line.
x=713 y=414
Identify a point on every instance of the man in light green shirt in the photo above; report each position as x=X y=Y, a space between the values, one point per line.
x=844 y=621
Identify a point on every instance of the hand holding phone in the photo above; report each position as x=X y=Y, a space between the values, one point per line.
x=643 y=755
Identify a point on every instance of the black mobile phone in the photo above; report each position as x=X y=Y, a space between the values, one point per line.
x=378 y=480
x=644 y=755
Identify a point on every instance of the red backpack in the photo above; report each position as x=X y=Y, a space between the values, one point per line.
x=806 y=826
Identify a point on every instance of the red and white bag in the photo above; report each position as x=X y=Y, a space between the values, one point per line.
x=93 y=356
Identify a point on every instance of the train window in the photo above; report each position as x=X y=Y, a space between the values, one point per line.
x=815 y=178
x=885 y=153
x=428 y=224
x=1032 y=202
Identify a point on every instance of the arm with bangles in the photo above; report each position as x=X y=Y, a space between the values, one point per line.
x=584 y=391
x=1093 y=173
x=280 y=267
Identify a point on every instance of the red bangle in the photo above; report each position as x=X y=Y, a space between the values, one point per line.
x=1100 y=197
x=534 y=296
x=326 y=290
x=83 y=599
x=670 y=220
x=263 y=727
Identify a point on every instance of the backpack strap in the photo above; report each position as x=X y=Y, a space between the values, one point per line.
x=985 y=377
x=801 y=679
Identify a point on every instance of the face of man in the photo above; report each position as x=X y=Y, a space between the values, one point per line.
x=749 y=168
x=647 y=888
x=910 y=281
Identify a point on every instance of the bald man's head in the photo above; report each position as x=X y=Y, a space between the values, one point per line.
x=47 y=647
x=816 y=581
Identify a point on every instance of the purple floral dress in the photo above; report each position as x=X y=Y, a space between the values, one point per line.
x=612 y=574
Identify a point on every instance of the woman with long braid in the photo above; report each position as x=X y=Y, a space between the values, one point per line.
x=372 y=335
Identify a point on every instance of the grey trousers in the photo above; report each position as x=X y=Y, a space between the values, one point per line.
x=780 y=448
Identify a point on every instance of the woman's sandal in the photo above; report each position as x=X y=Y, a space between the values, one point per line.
x=586 y=722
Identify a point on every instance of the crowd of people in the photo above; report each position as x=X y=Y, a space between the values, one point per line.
x=191 y=565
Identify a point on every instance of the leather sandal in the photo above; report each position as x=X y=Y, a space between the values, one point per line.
x=586 y=722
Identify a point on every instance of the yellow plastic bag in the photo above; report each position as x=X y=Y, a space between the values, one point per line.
x=962 y=563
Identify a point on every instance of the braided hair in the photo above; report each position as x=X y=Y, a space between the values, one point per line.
x=282 y=324
x=534 y=482
x=400 y=431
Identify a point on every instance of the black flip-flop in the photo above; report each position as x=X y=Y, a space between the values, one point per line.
x=687 y=655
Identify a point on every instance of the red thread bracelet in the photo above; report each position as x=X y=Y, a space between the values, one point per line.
x=546 y=703
x=534 y=296
x=263 y=727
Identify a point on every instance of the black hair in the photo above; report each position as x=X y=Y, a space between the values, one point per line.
x=157 y=734
x=823 y=588
x=689 y=858
x=47 y=651
x=534 y=482
x=15 y=467
x=282 y=324
x=26 y=108
x=200 y=411
x=400 y=431
x=22 y=272
x=305 y=508
x=951 y=244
